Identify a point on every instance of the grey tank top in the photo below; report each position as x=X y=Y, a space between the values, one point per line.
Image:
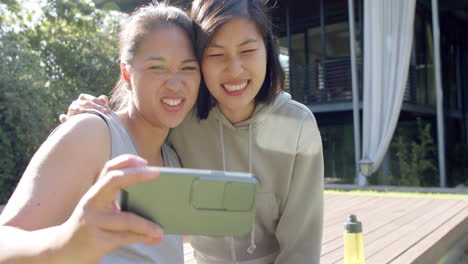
x=170 y=250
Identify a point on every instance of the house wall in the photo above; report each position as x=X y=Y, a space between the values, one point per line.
x=338 y=139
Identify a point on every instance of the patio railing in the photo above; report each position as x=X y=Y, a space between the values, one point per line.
x=330 y=80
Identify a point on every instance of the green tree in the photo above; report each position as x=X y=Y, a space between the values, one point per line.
x=21 y=109
x=50 y=55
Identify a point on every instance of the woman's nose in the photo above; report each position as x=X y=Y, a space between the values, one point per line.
x=174 y=82
x=234 y=67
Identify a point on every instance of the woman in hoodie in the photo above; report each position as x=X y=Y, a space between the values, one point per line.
x=243 y=121
x=63 y=210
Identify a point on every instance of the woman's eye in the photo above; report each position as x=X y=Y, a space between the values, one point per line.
x=215 y=55
x=248 y=51
x=189 y=68
x=157 y=67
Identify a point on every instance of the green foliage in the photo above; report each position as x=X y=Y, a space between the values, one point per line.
x=21 y=108
x=49 y=57
x=416 y=158
x=338 y=150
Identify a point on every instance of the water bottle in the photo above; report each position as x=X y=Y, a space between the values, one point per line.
x=353 y=242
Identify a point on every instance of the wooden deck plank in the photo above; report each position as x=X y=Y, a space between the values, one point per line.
x=341 y=205
x=370 y=208
x=394 y=222
x=394 y=232
x=372 y=219
x=335 y=224
x=388 y=223
x=335 y=234
x=406 y=236
x=335 y=214
x=448 y=243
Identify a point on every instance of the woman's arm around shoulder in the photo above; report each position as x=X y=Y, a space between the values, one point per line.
x=299 y=229
x=60 y=172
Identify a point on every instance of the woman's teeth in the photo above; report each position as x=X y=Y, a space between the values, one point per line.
x=236 y=87
x=172 y=102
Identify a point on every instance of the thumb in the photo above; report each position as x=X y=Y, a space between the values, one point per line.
x=116 y=240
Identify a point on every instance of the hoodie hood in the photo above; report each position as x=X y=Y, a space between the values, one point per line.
x=261 y=112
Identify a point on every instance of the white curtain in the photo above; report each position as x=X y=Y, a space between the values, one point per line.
x=388 y=40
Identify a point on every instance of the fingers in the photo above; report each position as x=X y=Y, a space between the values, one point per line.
x=123 y=162
x=118 y=173
x=63 y=118
x=81 y=106
x=104 y=99
x=78 y=107
x=86 y=97
x=116 y=221
x=115 y=240
x=115 y=180
x=84 y=102
x=88 y=101
x=105 y=181
x=75 y=108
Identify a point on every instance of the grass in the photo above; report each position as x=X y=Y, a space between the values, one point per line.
x=403 y=194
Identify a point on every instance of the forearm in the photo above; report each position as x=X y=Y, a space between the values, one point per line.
x=19 y=246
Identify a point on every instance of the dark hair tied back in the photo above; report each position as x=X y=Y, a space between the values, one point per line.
x=138 y=25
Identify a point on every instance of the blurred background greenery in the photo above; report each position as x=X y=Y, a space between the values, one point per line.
x=51 y=52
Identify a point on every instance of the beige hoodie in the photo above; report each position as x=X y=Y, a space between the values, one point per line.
x=281 y=145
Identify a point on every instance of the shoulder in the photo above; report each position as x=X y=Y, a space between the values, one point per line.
x=82 y=123
x=83 y=134
x=301 y=114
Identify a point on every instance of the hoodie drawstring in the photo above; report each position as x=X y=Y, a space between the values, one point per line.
x=252 y=246
x=233 y=249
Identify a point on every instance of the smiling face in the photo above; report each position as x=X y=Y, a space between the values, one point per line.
x=234 y=67
x=164 y=77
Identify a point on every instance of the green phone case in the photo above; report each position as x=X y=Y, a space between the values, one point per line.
x=196 y=202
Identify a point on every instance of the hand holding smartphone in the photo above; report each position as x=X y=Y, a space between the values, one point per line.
x=196 y=202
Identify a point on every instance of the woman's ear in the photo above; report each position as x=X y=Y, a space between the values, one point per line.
x=125 y=74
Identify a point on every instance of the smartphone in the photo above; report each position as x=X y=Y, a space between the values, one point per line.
x=196 y=202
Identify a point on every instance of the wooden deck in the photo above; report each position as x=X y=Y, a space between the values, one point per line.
x=396 y=229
